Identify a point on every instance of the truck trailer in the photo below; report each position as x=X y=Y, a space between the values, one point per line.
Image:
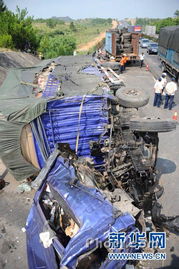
x=169 y=50
x=118 y=42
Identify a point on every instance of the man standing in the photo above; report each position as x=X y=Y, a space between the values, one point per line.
x=141 y=56
x=158 y=91
x=170 y=90
x=126 y=58
x=121 y=64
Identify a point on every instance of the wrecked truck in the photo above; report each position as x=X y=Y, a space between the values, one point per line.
x=106 y=157
x=120 y=41
x=73 y=220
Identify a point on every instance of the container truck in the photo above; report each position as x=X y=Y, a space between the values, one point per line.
x=168 y=50
x=118 y=42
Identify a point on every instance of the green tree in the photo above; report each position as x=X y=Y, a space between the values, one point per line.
x=51 y=23
x=2 y=6
x=21 y=14
x=6 y=41
x=19 y=27
x=176 y=13
x=52 y=47
x=166 y=22
x=72 y=27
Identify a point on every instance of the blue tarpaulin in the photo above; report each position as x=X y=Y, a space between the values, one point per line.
x=95 y=215
x=51 y=87
x=73 y=120
x=92 y=70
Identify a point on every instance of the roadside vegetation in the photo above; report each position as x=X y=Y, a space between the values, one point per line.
x=16 y=31
x=159 y=23
x=79 y=31
x=51 y=37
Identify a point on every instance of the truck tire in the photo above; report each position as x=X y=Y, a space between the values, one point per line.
x=128 y=50
x=126 y=39
x=128 y=97
x=151 y=125
x=119 y=46
x=127 y=35
x=127 y=45
x=118 y=39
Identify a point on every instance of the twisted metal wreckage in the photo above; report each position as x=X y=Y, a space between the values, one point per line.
x=93 y=156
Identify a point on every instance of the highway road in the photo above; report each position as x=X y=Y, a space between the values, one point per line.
x=168 y=156
x=155 y=67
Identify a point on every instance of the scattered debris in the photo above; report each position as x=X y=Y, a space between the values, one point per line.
x=46 y=239
x=23 y=229
x=24 y=187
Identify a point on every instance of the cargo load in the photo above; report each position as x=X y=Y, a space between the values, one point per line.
x=118 y=42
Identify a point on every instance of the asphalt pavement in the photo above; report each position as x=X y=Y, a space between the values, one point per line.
x=154 y=64
x=168 y=156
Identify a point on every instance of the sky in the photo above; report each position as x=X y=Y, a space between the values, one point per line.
x=77 y=9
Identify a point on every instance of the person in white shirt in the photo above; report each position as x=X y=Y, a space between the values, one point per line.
x=158 y=92
x=141 y=56
x=170 y=90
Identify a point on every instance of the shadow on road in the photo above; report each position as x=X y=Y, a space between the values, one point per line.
x=165 y=166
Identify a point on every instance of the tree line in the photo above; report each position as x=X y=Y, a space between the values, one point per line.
x=17 y=32
x=159 y=23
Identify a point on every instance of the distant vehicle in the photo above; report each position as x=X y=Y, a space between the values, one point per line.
x=169 y=50
x=152 y=48
x=135 y=28
x=144 y=43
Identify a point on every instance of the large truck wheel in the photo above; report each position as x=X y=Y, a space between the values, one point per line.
x=112 y=65
x=152 y=125
x=128 y=97
x=127 y=35
x=127 y=45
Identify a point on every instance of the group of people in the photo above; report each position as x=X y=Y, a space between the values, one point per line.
x=164 y=91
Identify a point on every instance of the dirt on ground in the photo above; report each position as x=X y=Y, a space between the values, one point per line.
x=95 y=41
x=13 y=214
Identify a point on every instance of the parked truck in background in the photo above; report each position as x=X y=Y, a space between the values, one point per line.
x=168 y=50
x=120 y=41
